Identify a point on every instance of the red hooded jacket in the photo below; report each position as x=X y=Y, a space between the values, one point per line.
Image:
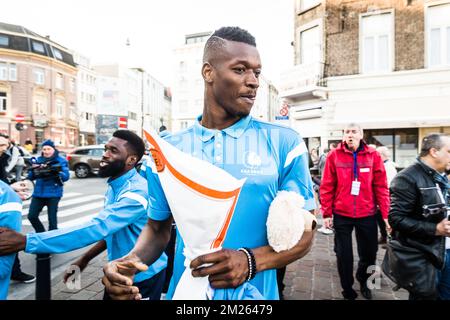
x=340 y=172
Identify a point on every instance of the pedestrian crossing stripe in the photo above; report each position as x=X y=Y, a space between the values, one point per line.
x=77 y=221
x=69 y=212
x=66 y=203
x=65 y=196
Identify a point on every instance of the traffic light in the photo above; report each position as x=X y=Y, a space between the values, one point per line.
x=19 y=126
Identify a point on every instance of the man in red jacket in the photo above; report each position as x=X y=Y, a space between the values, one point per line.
x=353 y=185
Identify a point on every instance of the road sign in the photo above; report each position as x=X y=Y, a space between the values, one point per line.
x=123 y=122
x=20 y=118
x=19 y=126
x=284 y=111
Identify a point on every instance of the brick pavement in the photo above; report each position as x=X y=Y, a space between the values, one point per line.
x=314 y=277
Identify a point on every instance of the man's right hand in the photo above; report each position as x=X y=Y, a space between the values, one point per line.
x=118 y=279
x=443 y=228
x=328 y=223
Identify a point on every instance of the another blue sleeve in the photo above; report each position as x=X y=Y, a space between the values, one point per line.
x=10 y=217
x=295 y=175
x=114 y=217
x=64 y=173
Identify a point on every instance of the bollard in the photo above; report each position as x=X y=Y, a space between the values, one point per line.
x=43 y=279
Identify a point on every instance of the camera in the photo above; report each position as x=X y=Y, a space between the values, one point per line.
x=46 y=170
x=434 y=210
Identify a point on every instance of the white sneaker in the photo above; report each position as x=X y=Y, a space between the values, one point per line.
x=325 y=230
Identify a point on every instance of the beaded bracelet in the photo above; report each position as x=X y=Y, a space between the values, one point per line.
x=251 y=262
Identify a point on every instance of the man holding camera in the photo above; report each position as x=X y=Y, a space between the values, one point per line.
x=50 y=172
x=420 y=203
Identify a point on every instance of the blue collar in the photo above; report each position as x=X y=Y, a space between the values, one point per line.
x=120 y=181
x=234 y=131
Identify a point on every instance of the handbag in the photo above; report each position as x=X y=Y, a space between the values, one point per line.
x=410 y=269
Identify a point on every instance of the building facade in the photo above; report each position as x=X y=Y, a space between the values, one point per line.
x=37 y=81
x=119 y=100
x=188 y=86
x=154 y=112
x=87 y=93
x=383 y=64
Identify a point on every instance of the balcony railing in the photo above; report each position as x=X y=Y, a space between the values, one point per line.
x=302 y=80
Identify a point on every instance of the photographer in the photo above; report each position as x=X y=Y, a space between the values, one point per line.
x=419 y=255
x=50 y=172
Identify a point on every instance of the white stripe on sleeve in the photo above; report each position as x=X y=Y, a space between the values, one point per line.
x=11 y=206
x=297 y=151
x=137 y=197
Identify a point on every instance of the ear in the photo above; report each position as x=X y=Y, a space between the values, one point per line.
x=207 y=72
x=132 y=160
x=433 y=152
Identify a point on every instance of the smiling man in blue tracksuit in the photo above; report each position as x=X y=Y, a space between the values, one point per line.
x=116 y=228
x=10 y=217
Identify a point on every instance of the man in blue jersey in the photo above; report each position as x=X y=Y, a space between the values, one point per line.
x=10 y=217
x=270 y=157
x=116 y=227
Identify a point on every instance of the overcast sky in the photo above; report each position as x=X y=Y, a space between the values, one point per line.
x=99 y=28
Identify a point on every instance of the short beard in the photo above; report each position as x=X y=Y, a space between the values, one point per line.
x=113 y=169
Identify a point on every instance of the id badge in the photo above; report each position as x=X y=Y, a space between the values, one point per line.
x=356 y=186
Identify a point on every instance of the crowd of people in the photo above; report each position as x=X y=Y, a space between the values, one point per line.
x=357 y=188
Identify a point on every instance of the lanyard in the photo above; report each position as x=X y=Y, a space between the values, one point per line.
x=355 y=165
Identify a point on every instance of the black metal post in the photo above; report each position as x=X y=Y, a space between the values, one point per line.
x=43 y=279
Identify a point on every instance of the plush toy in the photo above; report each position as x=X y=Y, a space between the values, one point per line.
x=288 y=220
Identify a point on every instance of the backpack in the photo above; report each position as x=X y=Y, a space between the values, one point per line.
x=22 y=154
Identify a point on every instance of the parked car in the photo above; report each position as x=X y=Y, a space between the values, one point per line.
x=85 y=160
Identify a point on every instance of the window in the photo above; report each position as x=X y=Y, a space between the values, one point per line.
x=3 y=101
x=59 y=81
x=403 y=143
x=376 y=49
x=3 y=71
x=438 y=35
x=132 y=116
x=58 y=54
x=310 y=51
x=72 y=85
x=8 y=71
x=96 y=152
x=72 y=112
x=40 y=105
x=183 y=124
x=38 y=46
x=12 y=72
x=59 y=108
x=183 y=66
x=39 y=76
x=303 y=5
x=82 y=152
x=4 y=41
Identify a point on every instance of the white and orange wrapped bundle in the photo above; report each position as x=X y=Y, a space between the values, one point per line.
x=202 y=199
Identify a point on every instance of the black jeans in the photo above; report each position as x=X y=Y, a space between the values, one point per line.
x=16 y=269
x=170 y=252
x=149 y=289
x=281 y=272
x=367 y=243
x=36 y=206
